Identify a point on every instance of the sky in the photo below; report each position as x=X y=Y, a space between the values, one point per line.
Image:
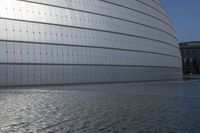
x=185 y=17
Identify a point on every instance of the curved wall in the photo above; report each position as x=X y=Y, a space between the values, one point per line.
x=86 y=41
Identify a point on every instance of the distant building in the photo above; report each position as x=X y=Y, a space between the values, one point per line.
x=190 y=52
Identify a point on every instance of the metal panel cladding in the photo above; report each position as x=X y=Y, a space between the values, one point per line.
x=45 y=42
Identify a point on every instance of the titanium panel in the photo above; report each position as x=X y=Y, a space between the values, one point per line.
x=86 y=41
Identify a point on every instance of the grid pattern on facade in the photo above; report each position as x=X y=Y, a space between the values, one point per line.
x=86 y=41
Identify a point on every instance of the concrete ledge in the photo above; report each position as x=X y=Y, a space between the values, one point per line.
x=189 y=77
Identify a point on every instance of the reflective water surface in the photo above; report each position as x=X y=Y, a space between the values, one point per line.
x=172 y=107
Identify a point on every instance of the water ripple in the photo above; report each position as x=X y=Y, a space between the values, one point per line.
x=129 y=108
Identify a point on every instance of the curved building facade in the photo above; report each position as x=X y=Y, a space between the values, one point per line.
x=86 y=41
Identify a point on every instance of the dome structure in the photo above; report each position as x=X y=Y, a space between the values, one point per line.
x=45 y=42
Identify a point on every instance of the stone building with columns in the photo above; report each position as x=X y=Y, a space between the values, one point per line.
x=190 y=52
